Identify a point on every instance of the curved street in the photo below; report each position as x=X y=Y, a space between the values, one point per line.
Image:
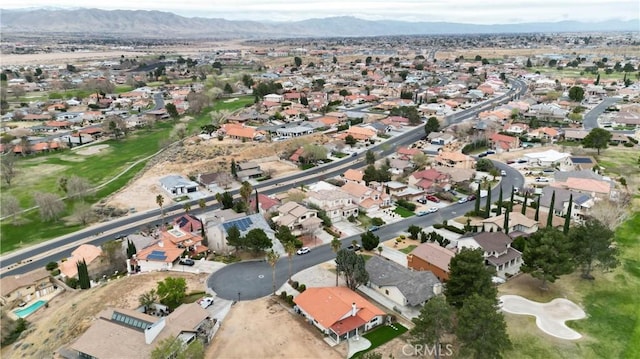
x=37 y=256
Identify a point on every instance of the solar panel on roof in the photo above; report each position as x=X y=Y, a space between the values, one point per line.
x=581 y=160
x=243 y=224
x=157 y=255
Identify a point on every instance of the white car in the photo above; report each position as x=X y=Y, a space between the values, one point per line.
x=303 y=250
x=432 y=210
x=206 y=302
x=462 y=200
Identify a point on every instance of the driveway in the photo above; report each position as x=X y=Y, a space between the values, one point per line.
x=550 y=317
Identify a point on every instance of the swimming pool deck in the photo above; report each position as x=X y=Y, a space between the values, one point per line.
x=45 y=298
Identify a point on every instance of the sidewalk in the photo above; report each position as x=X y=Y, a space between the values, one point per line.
x=393 y=254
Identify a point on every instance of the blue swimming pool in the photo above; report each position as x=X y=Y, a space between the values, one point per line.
x=25 y=312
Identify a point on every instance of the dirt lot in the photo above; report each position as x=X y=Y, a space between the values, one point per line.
x=265 y=329
x=71 y=313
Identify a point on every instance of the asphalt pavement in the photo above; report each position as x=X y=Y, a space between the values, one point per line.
x=590 y=119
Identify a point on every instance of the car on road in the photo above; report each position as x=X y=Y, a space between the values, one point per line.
x=503 y=173
x=433 y=198
x=206 y=302
x=187 y=262
x=422 y=213
x=303 y=250
x=432 y=210
x=373 y=228
x=462 y=200
x=354 y=248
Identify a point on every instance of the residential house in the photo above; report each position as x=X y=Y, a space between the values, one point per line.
x=575 y=134
x=454 y=159
x=15 y=289
x=519 y=224
x=504 y=143
x=359 y=133
x=91 y=254
x=594 y=187
x=402 y=285
x=582 y=202
x=298 y=218
x=440 y=138
x=296 y=155
x=188 y=223
x=185 y=240
x=160 y=256
x=431 y=257
x=398 y=190
x=368 y=198
x=248 y=170
x=337 y=204
x=430 y=180
x=338 y=312
x=218 y=228
x=241 y=132
x=266 y=204
x=405 y=153
x=178 y=185
x=124 y=333
x=497 y=251
x=516 y=128
x=214 y=181
x=549 y=158
x=352 y=175
x=544 y=133
x=583 y=163
x=547 y=111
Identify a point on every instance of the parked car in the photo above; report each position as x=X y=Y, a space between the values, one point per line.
x=433 y=199
x=463 y=200
x=354 y=248
x=483 y=154
x=373 y=228
x=432 y=210
x=187 y=262
x=206 y=302
x=422 y=200
x=422 y=213
x=491 y=152
x=542 y=179
x=303 y=250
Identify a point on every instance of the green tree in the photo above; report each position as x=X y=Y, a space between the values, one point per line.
x=350 y=140
x=297 y=61
x=537 y=215
x=147 y=299
x=484 y=165
x=83 y=275
x=499 y=209
x=227 y=88
x=160 y=203
x=131 y=249
x=487 y=208
x=234 y=168
x=225 y=199
x=234 y=238
x=176 y=349
x=597 y=138
x=481 y=329
x=9 y=168
x=284 y=235
x=567 y=218
x=592 y=245
x=257 y=240
x=290 y=248
x=505 y=224
x=272 y=258
x=172 y=110
x=247 y=80
x=576 y=93
x=476 y=207
x=351 y=266
x=435 y=320
x=246 y=189
x=172 y=291
x=370 y=157
x=551 y=205
x=529 y=63
x=432 y=125
x=335 y=247
x=414 y=231
x=468 y=275
x=523 y=210
x=369 y=240
x=547 y=255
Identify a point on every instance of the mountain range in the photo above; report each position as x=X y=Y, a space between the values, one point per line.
x=157 y=24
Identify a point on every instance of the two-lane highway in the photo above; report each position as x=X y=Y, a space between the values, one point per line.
x=37 y=256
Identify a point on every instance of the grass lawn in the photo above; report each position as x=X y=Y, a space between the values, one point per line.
x=40 y=173
x=612 y=326
x=382 y=335
x=408 y=249
x=403 y=212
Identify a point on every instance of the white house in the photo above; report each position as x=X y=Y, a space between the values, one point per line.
x=177 y=185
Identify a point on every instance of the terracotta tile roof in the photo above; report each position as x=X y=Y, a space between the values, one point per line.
x=87 y=252
x=328 y=305
x=353 y=175
x=171 y=252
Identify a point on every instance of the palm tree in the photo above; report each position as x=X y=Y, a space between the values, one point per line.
x=272 y=258
x=290 y=248
x=160 y=202
x=380 y=251
x=202 y=203
x=335 y=246
x=187 y=207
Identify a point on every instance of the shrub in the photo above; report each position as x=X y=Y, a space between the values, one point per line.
x=628 y=144
x=295 y=284
x=302 y=288
x=377 y=221
x=290 y=300
x=454 y=229
x=406 y=204
x=283 y=295
x=55 y=272
x=71 y=282
x=438 y=226
x=51 y=266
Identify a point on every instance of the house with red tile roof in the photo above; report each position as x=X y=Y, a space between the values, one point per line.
x=405 y=153
x=188 y=223
x=240 y=132
x=454 y=159
x=266 y=204
x=503 y=142
x=366 y=197
x=338 y=312
x=352 y=175
x=89 y=253
x=295 y=156
x=359 y=133
x=430 y=180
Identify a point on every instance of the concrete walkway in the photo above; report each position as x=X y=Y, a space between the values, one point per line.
x=550 y=317
x=405 y=311
x=357 y=344
x=394 y=254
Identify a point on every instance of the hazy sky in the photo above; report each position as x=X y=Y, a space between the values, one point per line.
x=466 y=11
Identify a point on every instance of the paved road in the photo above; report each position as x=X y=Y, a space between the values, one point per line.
x=24 y=260
x=254 y=279
x=590 y=119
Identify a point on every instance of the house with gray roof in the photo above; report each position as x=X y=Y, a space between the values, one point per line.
x=177 y=185
x=400 y=284
x=497 y=251
x=582 y=202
